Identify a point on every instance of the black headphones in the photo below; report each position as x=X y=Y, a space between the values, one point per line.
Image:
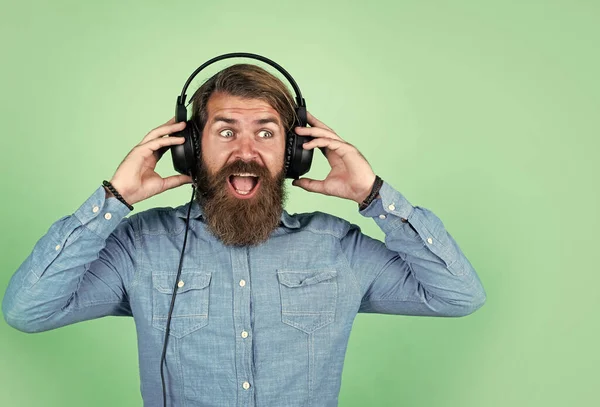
x=185 y=156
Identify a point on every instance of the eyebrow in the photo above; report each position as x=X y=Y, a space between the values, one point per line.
x=234 y=121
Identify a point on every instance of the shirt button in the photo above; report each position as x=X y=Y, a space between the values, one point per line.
x=391 y=207
x=246 y=385
x=244 y=334
x=95 y=209
x=429 y=240
x=403 y=220
x=242 y=283
x=381 y=216
x=180 y=283
x=107 y=216
x=57 y=247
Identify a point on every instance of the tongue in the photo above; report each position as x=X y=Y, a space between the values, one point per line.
x=243 y=183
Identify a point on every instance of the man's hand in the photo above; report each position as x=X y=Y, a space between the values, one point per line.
x=135 y=179
x=351 y=176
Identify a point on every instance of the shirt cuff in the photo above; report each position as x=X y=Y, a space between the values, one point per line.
x=391 y=210
x=101 y=215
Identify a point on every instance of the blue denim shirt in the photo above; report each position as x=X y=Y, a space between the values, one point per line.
x=253 y=326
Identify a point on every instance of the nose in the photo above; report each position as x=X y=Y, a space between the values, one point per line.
x=246 y=148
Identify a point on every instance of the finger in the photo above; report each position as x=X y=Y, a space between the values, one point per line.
x=163 y=130
x=310 y=185
x=168 y=122
x=316 y=132
x=176 y=180
x=148 y=148
x=160 y=152
x=330 y=144
x=313 y=121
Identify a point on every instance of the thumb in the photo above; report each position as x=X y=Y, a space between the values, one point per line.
x=175 y=181
x=310 y=185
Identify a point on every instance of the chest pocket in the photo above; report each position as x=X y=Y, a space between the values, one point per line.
x=190 y=311
x=308 y=298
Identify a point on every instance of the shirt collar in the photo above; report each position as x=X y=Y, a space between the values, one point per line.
x=196 y=212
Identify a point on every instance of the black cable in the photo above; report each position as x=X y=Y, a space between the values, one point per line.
x=164 y=352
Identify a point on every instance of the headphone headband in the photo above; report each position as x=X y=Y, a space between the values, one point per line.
x=299 y=100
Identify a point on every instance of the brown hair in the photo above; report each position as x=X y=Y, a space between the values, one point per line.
x=247 y=81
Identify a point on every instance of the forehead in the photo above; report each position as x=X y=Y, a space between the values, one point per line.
x=239 y=108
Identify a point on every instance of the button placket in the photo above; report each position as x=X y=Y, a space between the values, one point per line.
x=241 y=269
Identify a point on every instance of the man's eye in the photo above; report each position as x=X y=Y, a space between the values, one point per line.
x=226 y=133
x=265 y=134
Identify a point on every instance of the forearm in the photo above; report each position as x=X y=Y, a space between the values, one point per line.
x=53 y=281
x=445 y=282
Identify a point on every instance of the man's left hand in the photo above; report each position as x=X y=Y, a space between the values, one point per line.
x=351 y=176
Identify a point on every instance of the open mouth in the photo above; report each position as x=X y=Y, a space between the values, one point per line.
x=244 y=185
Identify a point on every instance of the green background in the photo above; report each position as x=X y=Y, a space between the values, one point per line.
x=485 y=112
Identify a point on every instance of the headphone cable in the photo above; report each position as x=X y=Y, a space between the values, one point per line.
x=164 y=351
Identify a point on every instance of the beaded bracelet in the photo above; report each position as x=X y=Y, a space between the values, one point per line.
x=376 y=187
x=112 y=189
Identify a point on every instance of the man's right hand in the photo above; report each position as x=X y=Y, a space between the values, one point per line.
x=135 y=179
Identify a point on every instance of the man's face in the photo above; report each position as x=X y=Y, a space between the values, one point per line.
x=249 y=130
x=241 y=171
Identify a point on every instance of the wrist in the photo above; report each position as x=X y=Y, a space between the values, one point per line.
x=121 y=190
x=111 y=190
x=366 y=191
x=107 y=194
x=374 y=194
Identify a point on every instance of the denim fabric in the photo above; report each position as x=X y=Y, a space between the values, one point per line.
x=252 y=326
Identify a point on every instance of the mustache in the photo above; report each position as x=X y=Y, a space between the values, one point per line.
x=240 y=166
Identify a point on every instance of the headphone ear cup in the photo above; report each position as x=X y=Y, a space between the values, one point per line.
x=297 y=159
x=185 y=155
x=196 y=149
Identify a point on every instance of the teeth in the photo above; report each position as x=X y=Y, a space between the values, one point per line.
x=242 y=192
x=245 y=174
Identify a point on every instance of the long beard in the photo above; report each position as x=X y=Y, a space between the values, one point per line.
x=241 y=222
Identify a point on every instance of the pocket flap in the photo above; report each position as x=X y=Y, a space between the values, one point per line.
x=304 y=278
x=164 y=282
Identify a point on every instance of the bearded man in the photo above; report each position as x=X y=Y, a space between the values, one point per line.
x=265 y=300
